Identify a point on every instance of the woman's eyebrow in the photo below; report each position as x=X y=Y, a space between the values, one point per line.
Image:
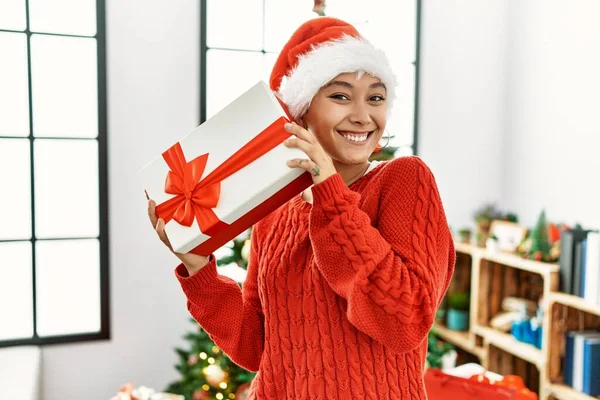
x=376 y=85
x=339 y=83
x=350 y=86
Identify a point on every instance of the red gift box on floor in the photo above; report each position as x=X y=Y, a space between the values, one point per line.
x=440 y=386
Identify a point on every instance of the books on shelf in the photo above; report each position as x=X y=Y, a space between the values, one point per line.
x=590 y=279
x=582 y=361
x=580 y=264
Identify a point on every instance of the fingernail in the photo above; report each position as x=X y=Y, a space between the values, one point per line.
x=288 y=126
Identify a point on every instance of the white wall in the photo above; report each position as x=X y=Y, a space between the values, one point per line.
x=152 y=51
x=509 y=107
x=462 y=101
x=554 y=111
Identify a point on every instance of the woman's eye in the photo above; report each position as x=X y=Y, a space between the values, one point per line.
x=377 y=98
x=339 y=97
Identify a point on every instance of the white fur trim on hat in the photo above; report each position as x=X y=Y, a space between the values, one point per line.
x=326 y=61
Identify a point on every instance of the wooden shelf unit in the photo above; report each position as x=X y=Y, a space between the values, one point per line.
x=463 y=340
x=566 y=312
x=575 y=302
x=509 y=344
x=494 y=275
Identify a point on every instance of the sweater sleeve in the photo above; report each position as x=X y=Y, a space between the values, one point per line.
x=392 y=272
x=231 y=316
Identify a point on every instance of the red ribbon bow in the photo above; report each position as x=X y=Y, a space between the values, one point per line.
x=194 y=198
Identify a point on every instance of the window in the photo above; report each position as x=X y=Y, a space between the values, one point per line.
x=239 y=48
x=53 y=202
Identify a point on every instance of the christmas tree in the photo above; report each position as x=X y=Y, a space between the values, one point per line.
x=206 y=372
x=540 y=245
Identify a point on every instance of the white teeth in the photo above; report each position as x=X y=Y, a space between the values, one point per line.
x=356 y=138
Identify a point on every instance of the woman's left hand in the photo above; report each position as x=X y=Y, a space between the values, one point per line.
x=319 y=164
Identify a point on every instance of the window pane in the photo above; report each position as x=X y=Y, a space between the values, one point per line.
x=65 y=86
x=269 y=61
x=14 y=95
x=16 y=295
x=234 y=24
x=389 y=24
x=226 y=82
x=401 y=122
x=282 y=18
x=68 y=287
x=15 y=197
x=75 y=17
x=66 y=188
x=12 y=15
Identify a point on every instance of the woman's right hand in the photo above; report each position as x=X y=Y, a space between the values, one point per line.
x=192 y=262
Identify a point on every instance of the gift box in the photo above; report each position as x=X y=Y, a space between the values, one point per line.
x=440 y=386
x=225 y=175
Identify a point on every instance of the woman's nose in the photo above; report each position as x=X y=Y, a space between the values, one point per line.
x=360 y=114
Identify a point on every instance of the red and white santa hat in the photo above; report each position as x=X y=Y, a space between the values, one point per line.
x=317 y=52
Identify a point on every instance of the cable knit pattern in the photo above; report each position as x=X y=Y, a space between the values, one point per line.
x=340 y=294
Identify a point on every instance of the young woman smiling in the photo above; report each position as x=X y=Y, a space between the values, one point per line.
x=344 y=280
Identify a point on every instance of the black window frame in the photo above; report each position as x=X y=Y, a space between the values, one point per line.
x=104 y=333
x=204 y=50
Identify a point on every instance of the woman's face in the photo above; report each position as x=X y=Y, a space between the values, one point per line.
x=348 y=117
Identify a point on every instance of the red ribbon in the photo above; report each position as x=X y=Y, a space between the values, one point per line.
x=195 y=197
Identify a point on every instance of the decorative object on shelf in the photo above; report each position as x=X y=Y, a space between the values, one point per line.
x=465 y=235
x=437 y=349
x=504 y=320
x=512 y=303
x=492 y=243
x=508 y=235
x=458 y=311
x=513 y=309
x=484 y=217
x=528 y=330
x=511 y=217
x=129 y=392
x=540 y=242
x=543 y=244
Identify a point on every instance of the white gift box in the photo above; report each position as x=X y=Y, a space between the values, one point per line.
x=246 y=195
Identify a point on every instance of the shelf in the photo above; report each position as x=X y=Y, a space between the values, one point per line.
x=466 y=248
x=459 y=339
x=563 y=392
x=515 y=261
x=575 y=302
x=508 y=259
x=511 y=345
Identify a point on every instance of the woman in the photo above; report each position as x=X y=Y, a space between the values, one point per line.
x=344 y=280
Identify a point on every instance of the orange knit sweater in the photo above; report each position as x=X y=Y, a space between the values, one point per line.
x=340 y=294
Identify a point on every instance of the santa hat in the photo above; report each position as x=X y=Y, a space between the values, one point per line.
x=317 y=52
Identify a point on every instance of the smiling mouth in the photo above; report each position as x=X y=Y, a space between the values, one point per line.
x=356 y=137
